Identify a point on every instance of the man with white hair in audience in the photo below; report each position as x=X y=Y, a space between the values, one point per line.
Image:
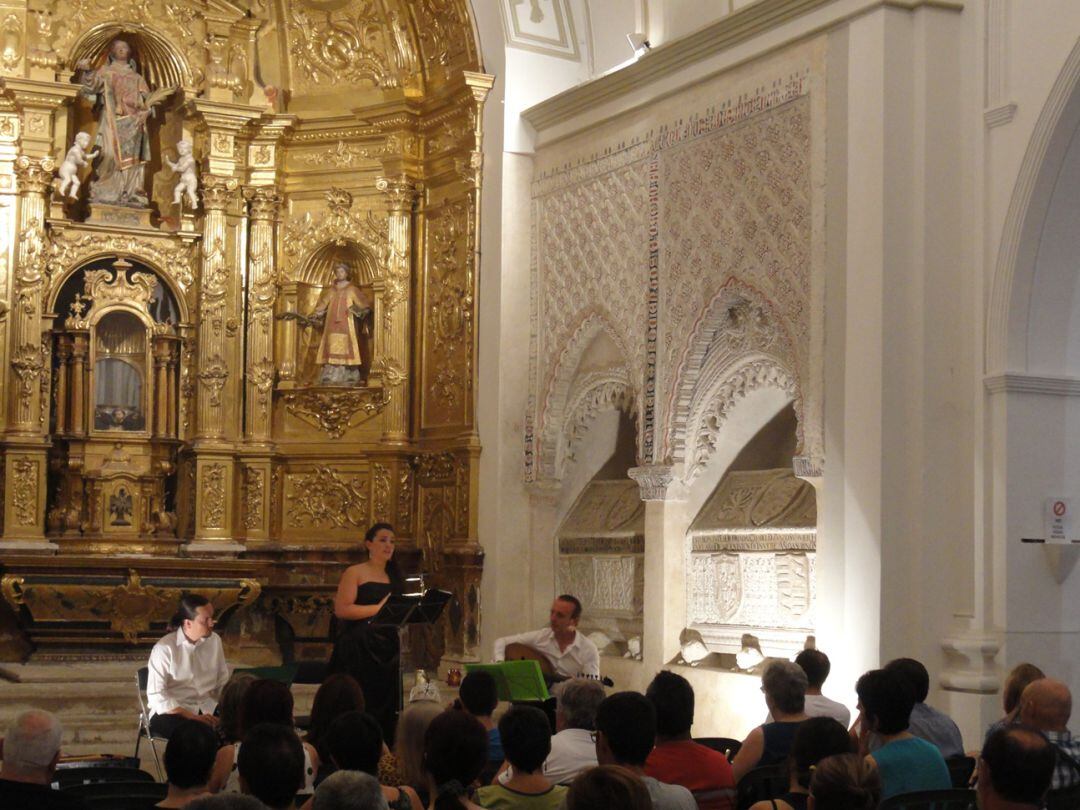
x=31 y=750
x=349 y=790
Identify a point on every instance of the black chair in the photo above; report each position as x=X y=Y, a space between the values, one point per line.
x=1063 y=798
x=98 y=772
x=932 y=800
x=141 y=679
x=761 y=784
x=119 y=795
x=727 y=746
x=961 y=771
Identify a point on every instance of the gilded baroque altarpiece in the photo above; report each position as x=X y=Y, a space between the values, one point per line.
x=167 y=421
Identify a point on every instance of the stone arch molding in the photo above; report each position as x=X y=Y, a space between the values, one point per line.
x=572 y=400
x=739 y=345
x=1008 y=314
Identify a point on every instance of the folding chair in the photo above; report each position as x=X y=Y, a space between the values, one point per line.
x=932 y=800
x=761 y=784
x=727 y=746
x=961 y=770
x=144 y=721
x=119 y=795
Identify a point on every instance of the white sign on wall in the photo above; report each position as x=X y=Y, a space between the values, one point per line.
x=1057 y=518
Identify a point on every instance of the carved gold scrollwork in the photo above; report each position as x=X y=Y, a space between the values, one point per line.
x=213 y=496
x=347 y=44
x=173 y=257
x=12 y=587
x=380 y=486
x=326 y=498
x=24 y=491
x=213 y=377
x=340 y=226
x=452 y=303
x=254 y=497
x=335 y=411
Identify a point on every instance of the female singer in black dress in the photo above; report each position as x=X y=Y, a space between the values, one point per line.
x=370 y=654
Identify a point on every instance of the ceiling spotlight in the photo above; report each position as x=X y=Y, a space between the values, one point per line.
x=638 y=42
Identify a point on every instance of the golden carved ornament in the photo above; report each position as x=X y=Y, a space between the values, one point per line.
x=339 y=227
x=11 y=39
x=105 y=286
x=130 y=608
x=172 y=256
x=325 y=497
x=264 y=202
x=34 y=174
x=213 y=376
x=218 y=192
x=405 y=499
x=213 y=496
x=380 y=487
x=344 y=155
x=254 y=497
x=333 y=411
x=345 y=44
x=24 y=491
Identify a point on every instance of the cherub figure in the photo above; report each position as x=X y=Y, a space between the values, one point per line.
x=77 y=157
x=189 y=182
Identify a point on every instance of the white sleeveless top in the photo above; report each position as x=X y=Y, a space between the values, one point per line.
x=232 y=784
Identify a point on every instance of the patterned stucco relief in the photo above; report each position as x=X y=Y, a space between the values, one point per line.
x=690 y=241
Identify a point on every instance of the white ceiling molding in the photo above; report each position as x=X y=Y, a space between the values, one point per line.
x=542 y=26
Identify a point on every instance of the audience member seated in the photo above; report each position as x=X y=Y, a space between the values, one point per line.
x=844 y=782
x=572 y=747
x=479 y=695
x=1046 y=705
x=232 y=698
x=609 y=787
x=926 y=722
x=405 y=766
x=227 y=801
x=1019 y=678
x=784 y=685
x=817 y=738
x=354 y=743
x=271 y=764
x=349 y=790
x=816 y=665
x=31 y=751
x=905 y=762
x=455 y=750
x=1015 y=769
x=338 y=694
x=526 y=739
x=678 y=760
x=625 y=735
x=189 y=758
x=266 y=701
x=187 y=669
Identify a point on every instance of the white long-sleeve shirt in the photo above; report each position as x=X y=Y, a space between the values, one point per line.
x=580 y=658
x=186 y=675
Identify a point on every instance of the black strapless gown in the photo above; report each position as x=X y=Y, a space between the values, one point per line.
x=370 y=654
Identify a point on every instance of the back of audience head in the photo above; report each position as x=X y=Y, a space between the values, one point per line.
x=354 y=742
x=271 y=764
x=1017 y=764
x=349 y=790
x=455 y=751
x=189 y=755
x=1046 y=704
x=816 y=739
x=230 y=707
x=784 y=684
x=479 y=694
x=225 y=801
x=608 y=787
x=409 y=737
x=845 y=782
x=32 y=746
x=914 y=673
x=816 y=665
x=338 y=694
x=886 y=701
x=1019 y=678
x=673 y=698
x=526 y=738
x=266 y=701
x=576 y=701
x=626 y=729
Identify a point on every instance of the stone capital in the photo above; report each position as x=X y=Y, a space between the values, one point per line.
x=401 y=191
x=218 y=192
x=264 y=202
x=34 y=174
x=658 y=482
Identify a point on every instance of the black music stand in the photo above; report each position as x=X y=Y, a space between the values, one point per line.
x=400 y=611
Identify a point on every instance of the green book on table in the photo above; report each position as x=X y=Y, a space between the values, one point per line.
x=516 y=680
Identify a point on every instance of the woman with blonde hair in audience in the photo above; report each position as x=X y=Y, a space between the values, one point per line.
x=817 y=738
x=1019 y=678
x=405 y=766
x=608 y=787
x=455 y=751
x=844 y=782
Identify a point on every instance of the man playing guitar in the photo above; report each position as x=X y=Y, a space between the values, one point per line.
x=566 y=652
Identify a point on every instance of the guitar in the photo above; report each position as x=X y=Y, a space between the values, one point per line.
x=516 y=651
